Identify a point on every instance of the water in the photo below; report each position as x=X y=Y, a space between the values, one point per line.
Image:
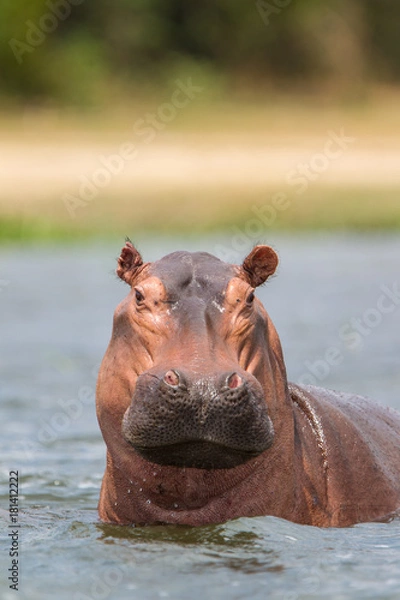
x=56 y=310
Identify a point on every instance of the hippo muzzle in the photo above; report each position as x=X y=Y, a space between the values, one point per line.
x=215 y=421
x=194 y=379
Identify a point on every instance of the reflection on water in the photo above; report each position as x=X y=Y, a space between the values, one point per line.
x=57 y=312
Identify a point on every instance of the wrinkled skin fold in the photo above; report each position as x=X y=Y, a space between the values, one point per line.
x=200 y=422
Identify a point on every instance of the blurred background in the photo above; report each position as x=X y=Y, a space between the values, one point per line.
x=176 y=116
x=212 y=126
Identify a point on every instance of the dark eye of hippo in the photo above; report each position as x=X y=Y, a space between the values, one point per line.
x=250 y=298
x=139 y=296
x=197 y=406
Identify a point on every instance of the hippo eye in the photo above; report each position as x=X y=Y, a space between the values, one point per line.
x=139 y=296
x=250 y=298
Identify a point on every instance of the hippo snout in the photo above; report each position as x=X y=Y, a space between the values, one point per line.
x=218 y=420
x=232 y=380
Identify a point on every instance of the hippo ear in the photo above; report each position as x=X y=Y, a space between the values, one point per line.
x=259 y=265
x=128 y=262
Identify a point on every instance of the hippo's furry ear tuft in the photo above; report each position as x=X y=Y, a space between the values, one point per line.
x=260 y=264
x=128 y=262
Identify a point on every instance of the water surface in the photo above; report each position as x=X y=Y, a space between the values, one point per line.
x=56 y=311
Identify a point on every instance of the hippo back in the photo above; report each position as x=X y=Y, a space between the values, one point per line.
x=358 y=445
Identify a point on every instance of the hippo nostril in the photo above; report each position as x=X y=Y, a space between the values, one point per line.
x=171 y=378
x=234 y=381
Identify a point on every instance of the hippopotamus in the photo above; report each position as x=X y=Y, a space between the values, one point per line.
x=200 y=422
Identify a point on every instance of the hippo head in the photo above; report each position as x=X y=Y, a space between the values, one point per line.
x=189 y=379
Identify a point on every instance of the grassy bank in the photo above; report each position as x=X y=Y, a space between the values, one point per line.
x=213 y=167
x=189 y=211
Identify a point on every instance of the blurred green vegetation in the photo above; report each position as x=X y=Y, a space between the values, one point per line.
x=85 y=52
x=287 y=70
x=320 y=209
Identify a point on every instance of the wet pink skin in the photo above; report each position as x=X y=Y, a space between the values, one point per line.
x=334 y=459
